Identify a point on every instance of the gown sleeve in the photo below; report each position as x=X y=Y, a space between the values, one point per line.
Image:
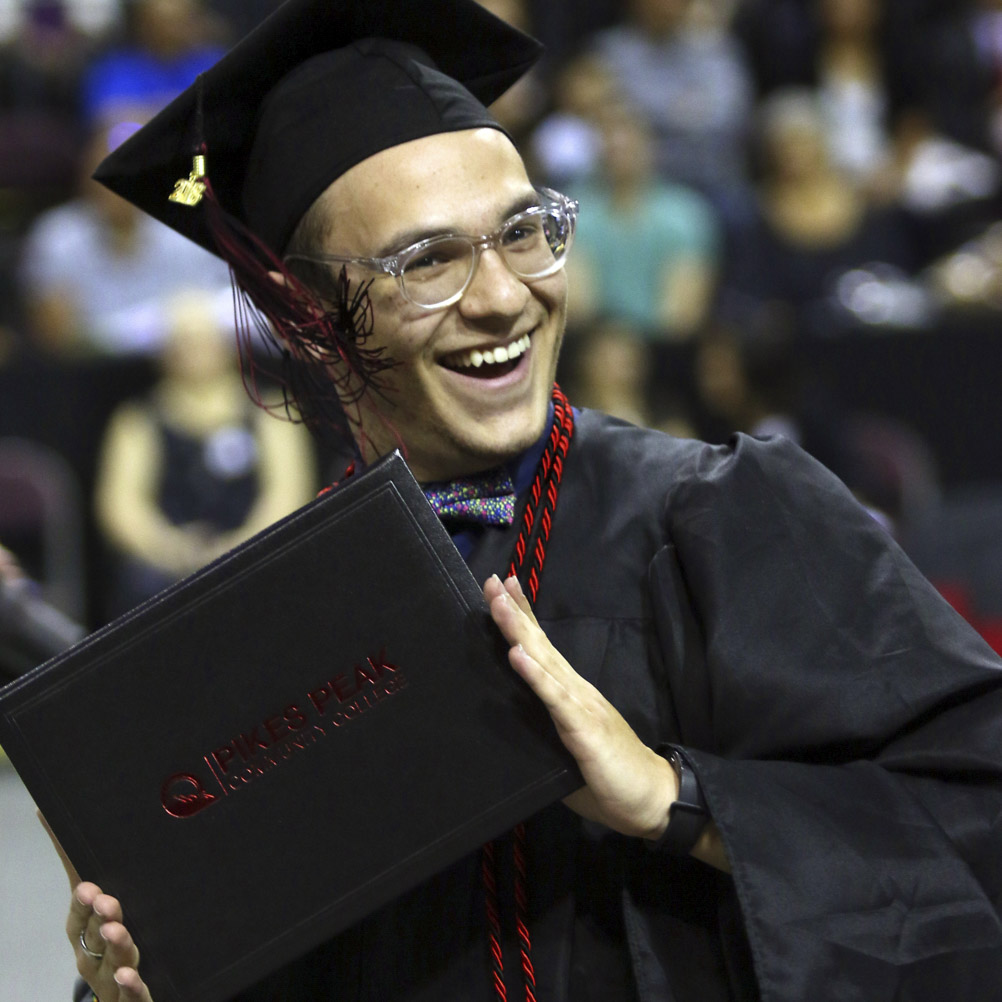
x=846 y=728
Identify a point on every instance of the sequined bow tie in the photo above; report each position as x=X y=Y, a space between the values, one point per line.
x=488 y=499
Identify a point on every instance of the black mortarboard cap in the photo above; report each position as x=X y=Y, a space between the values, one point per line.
x=318 y=87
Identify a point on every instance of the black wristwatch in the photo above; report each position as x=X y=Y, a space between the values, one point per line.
x=688 y=815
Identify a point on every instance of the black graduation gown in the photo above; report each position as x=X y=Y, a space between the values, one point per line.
x=843 y=720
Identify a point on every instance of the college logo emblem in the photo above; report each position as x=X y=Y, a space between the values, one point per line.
x=274 y=740
x=183 y=795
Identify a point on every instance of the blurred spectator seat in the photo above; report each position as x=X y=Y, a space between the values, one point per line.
x=958 y=546
x=41 y=519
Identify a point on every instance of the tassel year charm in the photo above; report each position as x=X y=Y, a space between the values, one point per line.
x=189 y=190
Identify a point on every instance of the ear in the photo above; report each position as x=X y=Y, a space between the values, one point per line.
x=306 y=299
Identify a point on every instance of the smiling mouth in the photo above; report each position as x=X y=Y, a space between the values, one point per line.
x=488 y=364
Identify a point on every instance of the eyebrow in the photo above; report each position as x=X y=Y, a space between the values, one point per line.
x=407 y=238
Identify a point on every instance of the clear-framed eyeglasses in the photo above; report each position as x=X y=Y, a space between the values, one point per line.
x=434 y=273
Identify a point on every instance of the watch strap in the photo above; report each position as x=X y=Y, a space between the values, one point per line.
x=688 y=814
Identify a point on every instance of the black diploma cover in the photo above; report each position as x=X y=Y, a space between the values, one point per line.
x=295 y=735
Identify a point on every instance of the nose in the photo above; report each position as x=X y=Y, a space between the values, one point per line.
x=494 y=288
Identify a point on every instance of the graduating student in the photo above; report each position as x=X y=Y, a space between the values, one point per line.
x=789 y=743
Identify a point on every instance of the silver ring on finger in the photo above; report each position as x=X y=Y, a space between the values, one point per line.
x=86 y=949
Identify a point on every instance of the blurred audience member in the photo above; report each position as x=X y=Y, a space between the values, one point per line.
x=938 y=172
x=691 y=80
x=747 y=379
x=813 y=224
x=950 y=192
x=850 y=52
x=168 y=43
x=852 y=86
x=970 y=277
x=611 y=371
x=565 y=147
x=96 y=271
x=646 y=251
x=42 y=55
x=92 y=18
x=196 y=468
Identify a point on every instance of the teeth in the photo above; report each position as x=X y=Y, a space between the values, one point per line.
x=475 y=358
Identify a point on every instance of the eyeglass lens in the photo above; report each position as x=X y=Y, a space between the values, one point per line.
x=532 y=244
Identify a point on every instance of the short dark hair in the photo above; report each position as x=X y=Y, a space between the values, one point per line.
x=311 y=234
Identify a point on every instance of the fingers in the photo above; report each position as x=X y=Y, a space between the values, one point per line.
x=513 y=588
x=513 y=615
x=93 y=916
x=107 y=956
x=131 y=986
x=81 y=912
x=572 y=701
x=628 y=787
x=565 y=694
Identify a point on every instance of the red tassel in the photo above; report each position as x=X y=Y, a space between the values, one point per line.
x=314 y=349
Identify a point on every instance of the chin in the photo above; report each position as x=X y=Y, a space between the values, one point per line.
x=466 y=437
x=471 y=457
x=510 y=447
